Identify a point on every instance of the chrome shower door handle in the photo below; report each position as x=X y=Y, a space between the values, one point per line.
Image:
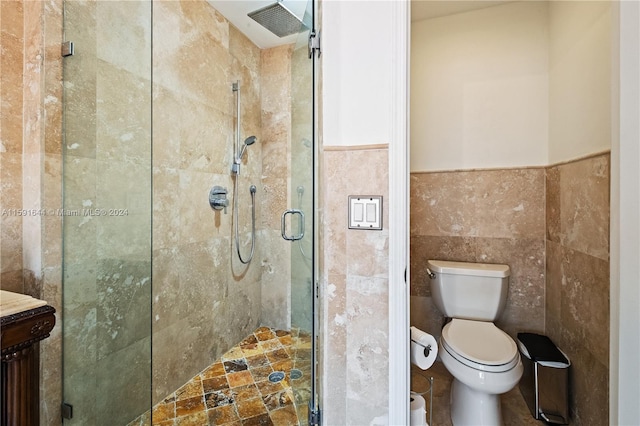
x=283 y=225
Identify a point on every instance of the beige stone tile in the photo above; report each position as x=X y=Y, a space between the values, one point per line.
x=276 y=75
x=510 y=203
x=12 y=79
x=368 y=253
x=334 y=215
x=52 y=202
x=204 y=148
x=274 y=201
x=122 y=138
x=166 y=128
x=198 y=222
x=335 y=344
x=53 y=90
x=367 y=360
x=441 y=204
x=12 y=281
x=488 y=203
x=584 y=206
x=12 y=250
x=552 y=190
x=166 y=205
x=13 y=18
x=585 y=302
x=589 y=388
x=553 y=282
x=173 y=69
x=125 y=24
x=11 y=177
x=425 y=315
x=243 y=49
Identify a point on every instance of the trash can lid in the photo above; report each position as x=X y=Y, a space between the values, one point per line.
x=540 y=348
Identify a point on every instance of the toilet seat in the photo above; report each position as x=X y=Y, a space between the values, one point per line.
x=480 y=345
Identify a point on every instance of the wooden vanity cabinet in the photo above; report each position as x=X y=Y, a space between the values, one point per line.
x=19 y=336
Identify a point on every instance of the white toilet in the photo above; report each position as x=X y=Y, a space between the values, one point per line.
x=483 y=360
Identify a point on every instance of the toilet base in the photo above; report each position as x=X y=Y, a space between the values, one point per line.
x=472 y=408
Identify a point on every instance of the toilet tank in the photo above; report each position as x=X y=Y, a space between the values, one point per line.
x=476 y=291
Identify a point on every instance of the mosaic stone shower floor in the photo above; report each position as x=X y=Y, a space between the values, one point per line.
x=236 y=390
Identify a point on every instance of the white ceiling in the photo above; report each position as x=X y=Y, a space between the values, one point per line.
x=236 y=12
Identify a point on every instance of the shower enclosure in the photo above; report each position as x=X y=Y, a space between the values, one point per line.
x=154 y=293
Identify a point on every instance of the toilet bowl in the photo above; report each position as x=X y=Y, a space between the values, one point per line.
x=484 y=362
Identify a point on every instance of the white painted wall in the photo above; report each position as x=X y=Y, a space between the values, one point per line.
x=625 y=218
x=520 y=84
x=579 y=79
x=479 y=89
x=357 y=72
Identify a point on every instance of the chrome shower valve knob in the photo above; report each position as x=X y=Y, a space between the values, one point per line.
x=218 y=198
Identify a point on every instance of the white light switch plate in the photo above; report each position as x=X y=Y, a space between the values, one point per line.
x=365 y=212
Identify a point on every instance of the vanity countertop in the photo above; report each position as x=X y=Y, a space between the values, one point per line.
x=24 y=321
x=13 y=303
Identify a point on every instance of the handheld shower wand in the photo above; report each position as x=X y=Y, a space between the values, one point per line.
x=235 y=167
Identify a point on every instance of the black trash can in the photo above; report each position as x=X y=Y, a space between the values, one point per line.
x=545 y=381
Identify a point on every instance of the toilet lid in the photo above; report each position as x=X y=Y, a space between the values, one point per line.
x=480 y=344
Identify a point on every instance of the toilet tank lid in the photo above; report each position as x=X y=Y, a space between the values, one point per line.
x=467 y=268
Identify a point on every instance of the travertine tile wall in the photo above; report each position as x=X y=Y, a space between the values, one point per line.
x=577 y=280
x=194 y=68
x=551 y=226
x=203 y=296
x=486 y=216
x=355 y=282
x=12 y=140
x=276 y=113
x=30 y=170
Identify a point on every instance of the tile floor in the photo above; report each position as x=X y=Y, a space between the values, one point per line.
x=236 y=389
x=514 y=409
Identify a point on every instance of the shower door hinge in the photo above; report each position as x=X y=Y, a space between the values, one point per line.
x=67 y=49
x=67 y=411
x=314 y=416
x=314 y=44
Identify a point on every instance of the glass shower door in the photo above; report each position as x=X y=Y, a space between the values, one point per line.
x=301 y=202
x=107 y=212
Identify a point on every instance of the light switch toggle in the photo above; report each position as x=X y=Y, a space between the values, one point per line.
x=365 y=212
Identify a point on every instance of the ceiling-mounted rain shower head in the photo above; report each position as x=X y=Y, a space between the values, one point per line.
x=277 y=19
